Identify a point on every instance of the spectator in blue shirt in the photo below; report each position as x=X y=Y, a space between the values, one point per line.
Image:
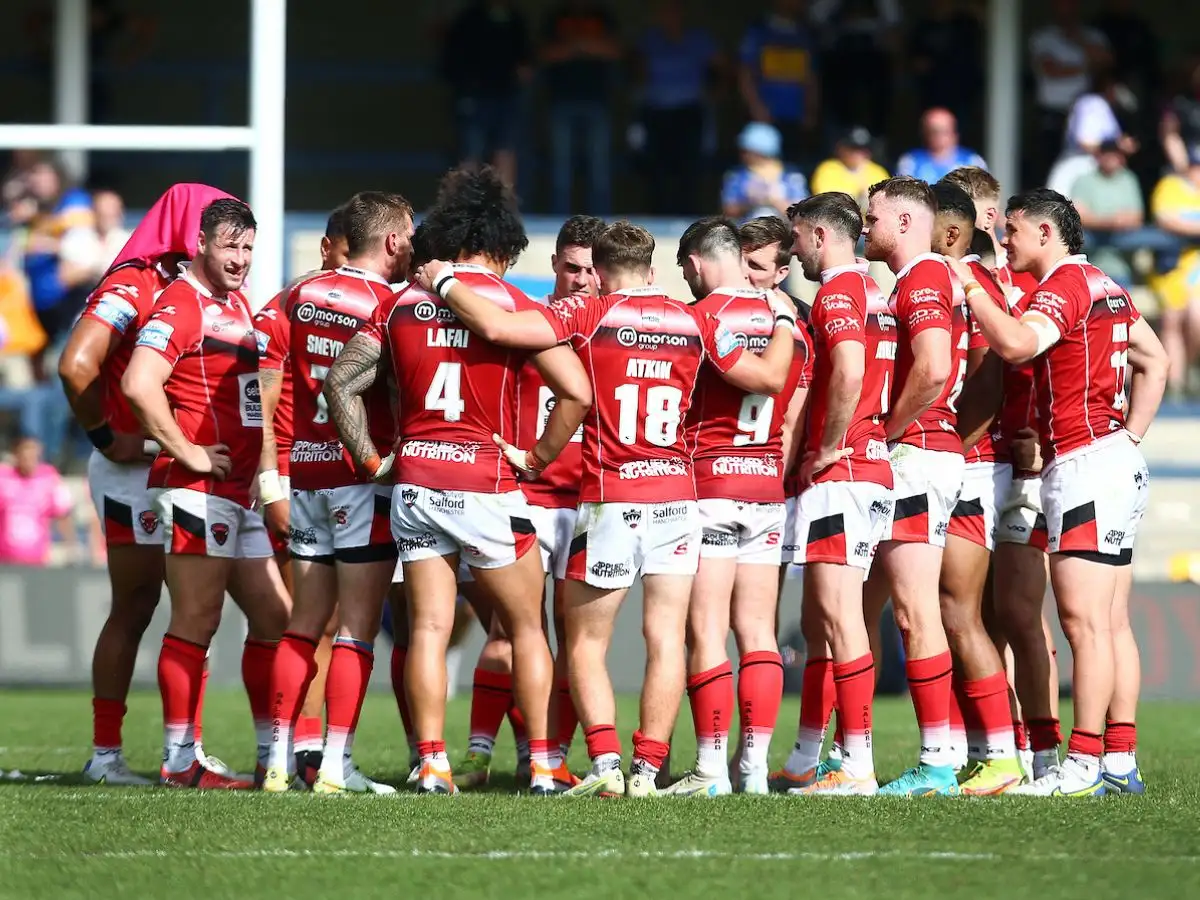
x=941 y=153
x=777 y=73
x=678 y=64
x=762 y=185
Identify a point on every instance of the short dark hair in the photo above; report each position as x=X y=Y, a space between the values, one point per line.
x=954 y=202
x=763 y=231
x=708 y=238
x=1043 y=203
x=475 y=214
x=625 y=247
x=835 y=210
x=369 y=215
x=422 y=251
x=227 y=212
x=983 y=246
x=335 y=225
x=905 y=187
x=979 y=183
x=578 y=231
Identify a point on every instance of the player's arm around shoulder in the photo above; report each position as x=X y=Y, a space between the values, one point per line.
x=526 y=327
x=361 y=362
x=765 y=374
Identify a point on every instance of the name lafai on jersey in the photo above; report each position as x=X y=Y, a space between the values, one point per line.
x=447 y=337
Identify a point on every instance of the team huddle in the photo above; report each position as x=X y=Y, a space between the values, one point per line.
x=404 y=428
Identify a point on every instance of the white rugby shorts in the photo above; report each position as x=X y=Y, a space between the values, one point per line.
x=985 y=487
x=199 y=524
x=488 y=530
x=927 y=485
x=838 y=522
x=1021 y=518
x=124 y=505
x=350 y=524
x=1095 y=499
x=751 y=533
x=555 y=528
x=614 y=541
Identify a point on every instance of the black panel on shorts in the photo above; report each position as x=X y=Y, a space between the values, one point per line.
x=383 y=505
x=966 y=509
x=1124 y=558
x=1079 y=516
x=121 y=513
x=578 y=544
x=325 y=559
x=521 y=525
x=372 y=553
x=192 y=524
x=916 y=505
x=826 y=527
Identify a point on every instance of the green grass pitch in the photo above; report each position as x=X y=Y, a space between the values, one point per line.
x=61 y=839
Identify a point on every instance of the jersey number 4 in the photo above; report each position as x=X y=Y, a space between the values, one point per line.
x=445 y=391
x=661 y=424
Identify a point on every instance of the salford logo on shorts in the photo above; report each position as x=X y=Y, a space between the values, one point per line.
x=148 y=519
x=672 y=513
x=409 y=496
x=341 y=516
x=220 y=533
x=633 y=517
x=452 y=503
x=610 y=570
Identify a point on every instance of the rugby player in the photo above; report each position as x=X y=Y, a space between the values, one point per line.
x=1083 y=333
x=841 y=499
x=985 y=750
x=192 y=381
x=553 y=499
x=456 y=489
x=90 y=367
x=638 y=510
x=341 y=546
x=1020 y=565
x=741 y=445
x=767 y=249
x=274 y=481
x=926 y=458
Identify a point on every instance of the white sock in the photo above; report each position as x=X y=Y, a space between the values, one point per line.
x=279 y=751
x=309 y=745
x=438 y=760
x=481 y=743
x=959 y=748
x=263 y=737
x=105 y=751
x=806 y=752
x=1044 y=761
x=935 y=745
x=1090 y=764
x=1119 y=763
x=755 y=746
x=858 y=759
x=711 y=757
x=606 y=761
x=1000 y=744
x=835 y=750
x=179 y=748
x=336 y=759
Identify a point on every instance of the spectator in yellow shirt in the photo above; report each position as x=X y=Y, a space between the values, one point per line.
x=1175 y=205
x=851 y=169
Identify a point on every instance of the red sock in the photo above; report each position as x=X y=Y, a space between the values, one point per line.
x=987 y=698
x=107 y=718
x=309 y=734
x=543 y=752
x=1020 y=735
x=491 y=697
x=433 y=751
x=958 y=710
x=292 y=671
x=198 y=712
x=258 y=660
x=602 y=739
x=651 y=752
x=1044 y=734
x=1120 y=737
x=816 y=701
x=854 y=683
x=568 y=719
x=399 y=656
x=839 y=732
x=520 y=732
x=711 y=697
x=1085 y=743
x=759 y=691
x=929 y=687
x=180 y=671
x=349 y=672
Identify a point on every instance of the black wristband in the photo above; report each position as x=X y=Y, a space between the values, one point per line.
x=784 y=317
x=440 y=282
x=102 y=437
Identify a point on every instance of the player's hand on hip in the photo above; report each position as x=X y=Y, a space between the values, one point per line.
x=427 y=274
x=385 y=472
x=277 y=517
x=522 y=460
x=1026 y=451
x=128 y=450
x=212 y=460
x=817 y=461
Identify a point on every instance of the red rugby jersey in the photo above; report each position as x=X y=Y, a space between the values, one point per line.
x=993 y=445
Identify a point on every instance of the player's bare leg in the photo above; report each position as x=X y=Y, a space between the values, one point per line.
x=1020 y=589
x=1121 y=772
x=816 y=690
x=314 y=598
x=709 y=674
x=590 y=614
x=519 y=592
x=991 y=750
x=563 y=716
x=135 y=574
x=760 y=671
x=912 y=570
x=197 y=587
x=430 y=586
x=398 y=612
x=361 y=588
x=876 y=593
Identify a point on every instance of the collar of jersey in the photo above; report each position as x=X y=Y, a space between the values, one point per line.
x=921 y=257
x=1078 y=259
x=834 y=271
x=473 y=267
x=742 y=291
x=185 y=272
x=649 y=290
x=972 y=257
x=355 y=272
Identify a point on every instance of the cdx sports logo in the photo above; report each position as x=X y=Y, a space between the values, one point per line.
x=628 y=336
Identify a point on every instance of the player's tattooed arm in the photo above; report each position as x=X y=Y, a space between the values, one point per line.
x=270 y=386
x=352 y=373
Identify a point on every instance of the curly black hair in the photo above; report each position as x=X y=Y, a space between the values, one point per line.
x=475 y=214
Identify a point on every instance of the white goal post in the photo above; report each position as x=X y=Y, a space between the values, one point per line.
x=263 y=137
